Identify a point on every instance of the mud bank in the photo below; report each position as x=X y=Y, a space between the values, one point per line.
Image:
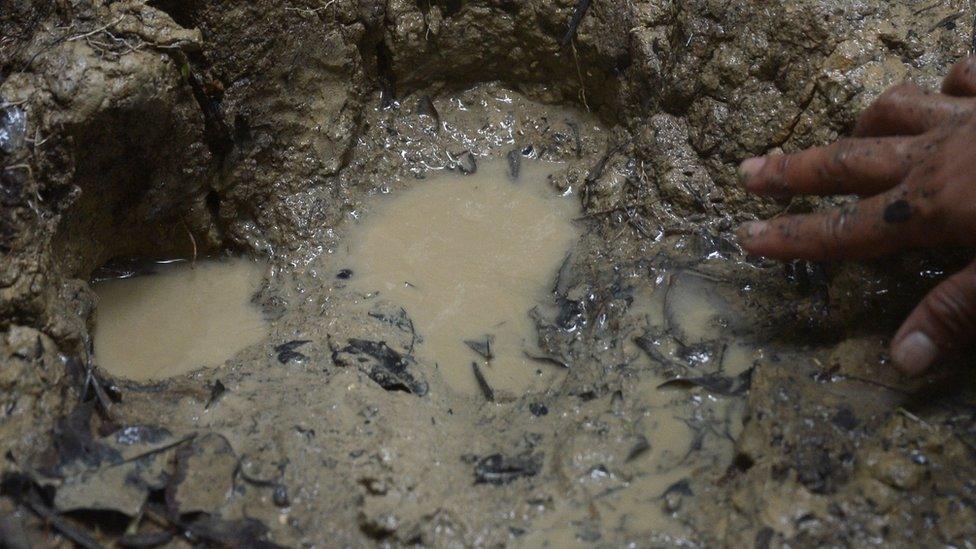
x=179 y=129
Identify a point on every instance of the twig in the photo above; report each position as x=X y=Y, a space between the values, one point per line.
x=972 y=48
x=579 y=74
x=92 y=380
x=96 y=31
x=483 y=383
x=64 y=527
x=27 y=167
x=616 y=209
x=312 y=11
x=925 y=9
x=912 y=417
x=193 y=242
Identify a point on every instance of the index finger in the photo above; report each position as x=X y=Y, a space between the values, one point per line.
x=870 y=228
x=848 y=166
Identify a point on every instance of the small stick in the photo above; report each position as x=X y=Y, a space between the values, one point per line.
x=27 y=167
x=483 y=383
x=193 y=242
x=69 y=531
x=92 y=380
x=972 y=48
x=96 y=31
x=579 y=74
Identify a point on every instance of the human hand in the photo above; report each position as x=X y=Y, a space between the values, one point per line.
x=913 y=163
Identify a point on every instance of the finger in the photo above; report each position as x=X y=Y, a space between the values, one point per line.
x=908 y=109
x=961 y=81
x=849 y=166
x=873 y=227
x=945 y=320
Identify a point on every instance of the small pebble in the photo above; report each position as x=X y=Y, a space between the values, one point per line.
x=280 y=496
x=538 y=409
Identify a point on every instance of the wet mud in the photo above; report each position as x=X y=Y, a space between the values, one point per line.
x=691 y=395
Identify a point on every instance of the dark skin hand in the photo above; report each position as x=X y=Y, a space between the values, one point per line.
x=912 y=162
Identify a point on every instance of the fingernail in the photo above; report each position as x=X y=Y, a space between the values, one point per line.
x=915 y=353
x=751 y=229
x=750 y=167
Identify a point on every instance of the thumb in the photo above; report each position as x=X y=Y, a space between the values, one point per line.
x=943 y=321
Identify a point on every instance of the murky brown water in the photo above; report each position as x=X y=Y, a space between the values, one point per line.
x=468 y=256
x=178 y=319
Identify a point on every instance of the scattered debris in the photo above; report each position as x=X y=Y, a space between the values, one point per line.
x=640 y=447
x=94 y=387
x=344 y=274
x=280 y=496
x=72 y=448
x=546 y=358
x=397 y=317
x=675 y=494
x=287 y=353
x=483 y=383
x=482 y=346
x=948 y=22
x=715 y=383
x=572 y=314
x=538 y=409
x=514 y=158
x=466 y=163
x=23 y=490
x=499 y=469
x=425 y=107
x=382 y=364
x=216 y=391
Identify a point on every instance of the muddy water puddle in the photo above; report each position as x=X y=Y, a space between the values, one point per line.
x=177 y=317
x=467 y=257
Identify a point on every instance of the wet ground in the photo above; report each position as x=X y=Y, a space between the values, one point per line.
x=689 y=394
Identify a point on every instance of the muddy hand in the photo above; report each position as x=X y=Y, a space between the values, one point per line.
x=913 y=163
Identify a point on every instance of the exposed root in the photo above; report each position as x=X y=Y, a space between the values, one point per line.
x=579 y=73
x=193 y=243
x=96 y=31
